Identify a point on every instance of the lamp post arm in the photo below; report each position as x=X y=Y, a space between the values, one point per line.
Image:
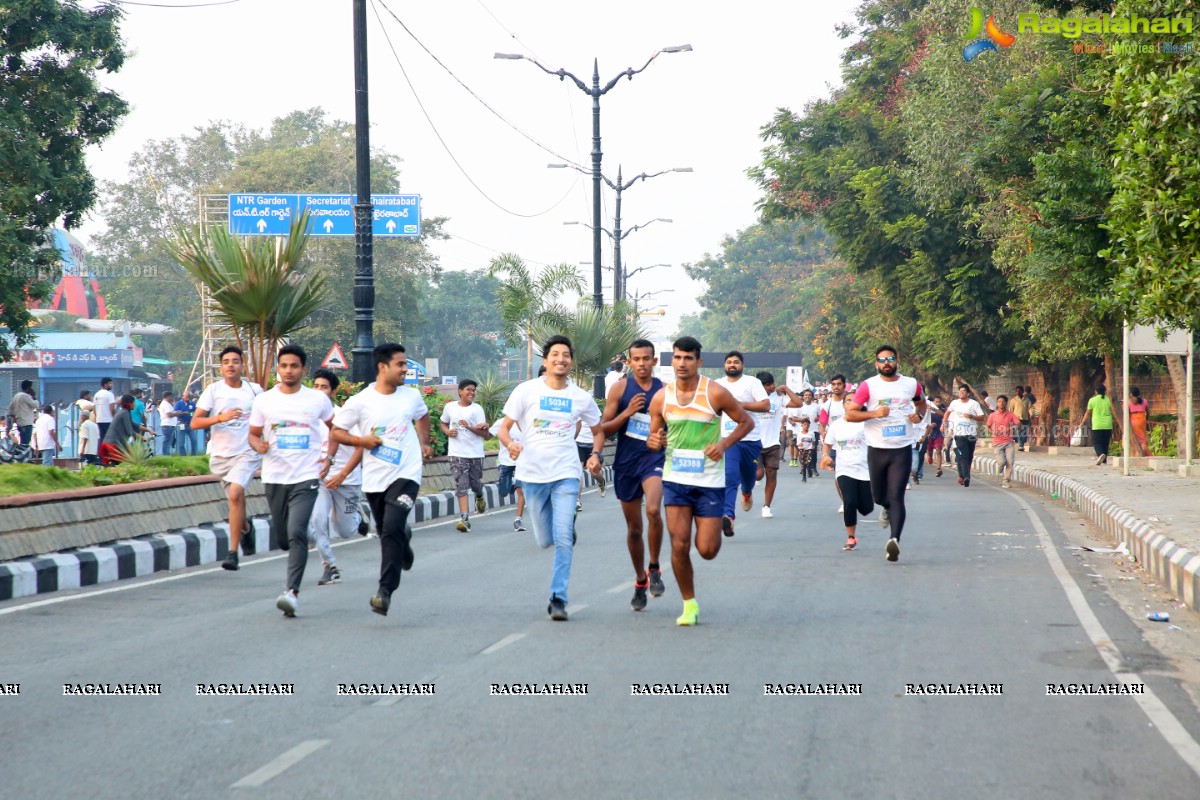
x=629 y=73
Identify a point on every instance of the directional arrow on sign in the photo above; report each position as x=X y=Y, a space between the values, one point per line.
x=328 y=225
x=262 y=225
x=391 y=226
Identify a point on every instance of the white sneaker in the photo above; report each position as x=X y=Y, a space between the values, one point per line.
x=841 y=508
x=288 y=603
x=766 y=512
x=884 y=519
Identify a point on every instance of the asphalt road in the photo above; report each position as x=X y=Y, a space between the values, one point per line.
x=975 y=599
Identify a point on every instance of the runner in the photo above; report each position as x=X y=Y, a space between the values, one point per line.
x=1004 y=426
x=849 y=441
x=890 y=405
x=509 y=485
x=547 y=410
x=964 y=415
x=685 y=420
x=584 y=439
x=465 y=426
x=810 y=410
x=229 y=453
x=390 y=422
x=637 y=471
x=741 y=462
x=935 y=442
x=340 y=502
x=285 y=428
x=770 y=422
x=831 y=411
x=808 y=439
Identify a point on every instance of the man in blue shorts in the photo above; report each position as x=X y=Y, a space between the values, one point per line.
x=638 y=470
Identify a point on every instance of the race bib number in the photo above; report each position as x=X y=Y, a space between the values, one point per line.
x=391 y=454
x=560 y=404
x=728 y=426
x=689 y=462
x=895 y=431
x=292 y=439
x=638 y=426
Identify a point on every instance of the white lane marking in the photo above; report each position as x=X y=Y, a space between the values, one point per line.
x=576 y=608
x=505 y=642
x=193 y=572
x=621 y=587
x=1160 y=716
x=273 y=768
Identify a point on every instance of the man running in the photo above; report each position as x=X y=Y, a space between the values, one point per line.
x=770 y=423
x=509 y=485
x=849 y=440
x=1004 y=426
x=891 y=405
x=964 y=415
x=685 y=419
x=741 y=461
x=830 y=411
x=637 y=470
x=285 y=428
x=465 y=426
x=390 y=422
x=547 y=410
x=339 y=499
x=224 y=408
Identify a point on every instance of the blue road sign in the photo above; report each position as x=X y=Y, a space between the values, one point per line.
x=330 y=214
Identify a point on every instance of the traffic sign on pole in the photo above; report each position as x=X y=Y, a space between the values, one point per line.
x=395 y=215
x=335 y=359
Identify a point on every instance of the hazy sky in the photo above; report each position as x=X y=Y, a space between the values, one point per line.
x=253 y=60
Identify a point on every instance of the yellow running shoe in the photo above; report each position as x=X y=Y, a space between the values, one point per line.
x=690 y=615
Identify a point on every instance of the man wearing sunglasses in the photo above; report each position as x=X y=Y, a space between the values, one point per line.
x=891 y=405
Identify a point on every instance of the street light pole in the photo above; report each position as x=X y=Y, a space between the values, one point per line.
x=618 y=270
x=362 y=370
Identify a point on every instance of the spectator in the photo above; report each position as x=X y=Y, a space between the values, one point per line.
x=89 y=440
x=45 y=436
x=121 y=433
x=106 y=405
x=169 y=424
x=24 y=409
x=187 y=440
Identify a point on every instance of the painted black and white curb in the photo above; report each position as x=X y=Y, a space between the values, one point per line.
x=161 y=552
x=1174 y=566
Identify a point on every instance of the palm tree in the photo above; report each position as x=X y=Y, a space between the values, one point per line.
x=526 y=301
x=598 y=335
x=491 y=393
x=255 y=285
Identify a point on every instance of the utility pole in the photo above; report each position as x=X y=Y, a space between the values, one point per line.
x=362 y=370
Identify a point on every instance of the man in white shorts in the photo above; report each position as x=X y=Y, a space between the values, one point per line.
x=224 y=408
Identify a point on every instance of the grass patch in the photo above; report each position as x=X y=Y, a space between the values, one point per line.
x=18 y=479
x=30 y=478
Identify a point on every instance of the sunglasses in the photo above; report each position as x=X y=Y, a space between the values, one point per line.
x=887 y=360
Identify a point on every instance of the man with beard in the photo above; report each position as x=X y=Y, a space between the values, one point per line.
x=891 y=405
x=741 y=460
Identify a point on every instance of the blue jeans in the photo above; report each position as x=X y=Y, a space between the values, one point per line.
x=551 y=509
x=48 y=458
x=168 y=439
x=741 y=469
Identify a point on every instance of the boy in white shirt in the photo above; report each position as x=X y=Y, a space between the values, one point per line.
x=45 y=436
x=89 y=440
x=466 y=428
x=808 y=440
x=508 y=468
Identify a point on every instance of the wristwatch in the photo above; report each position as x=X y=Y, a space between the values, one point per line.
x=598 y=455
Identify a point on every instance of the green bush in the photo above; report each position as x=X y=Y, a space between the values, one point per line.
x=435 y=401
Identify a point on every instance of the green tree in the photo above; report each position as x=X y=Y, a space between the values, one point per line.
x=459 y=324
x=527 y=301
x=598 y=336
x=51 y=109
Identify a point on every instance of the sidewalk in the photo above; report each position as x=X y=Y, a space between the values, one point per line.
x=1156 y=513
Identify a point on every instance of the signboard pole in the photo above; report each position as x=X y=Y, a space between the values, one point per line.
x=364 y=269
x=1189 y=450
x=1125 y=399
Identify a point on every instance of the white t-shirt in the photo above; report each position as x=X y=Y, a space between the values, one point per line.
x=584 y=436
x=894 y=430
x=43 y=427
x=167 y=421
x=746 y=389
x=232 y=437
x=345 y=452
x=960 y=424
x=831 y=410
x=503 y=459
x=391 y=418
x=464 y=444
x=849 y=439
x=611 y=377
x=291 y=426
x=808 y=440
x=769 y=422
x=104 y=400
x=547 y=417
x=89 y=438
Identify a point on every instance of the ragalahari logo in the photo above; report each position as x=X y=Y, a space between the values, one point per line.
x=994 y=36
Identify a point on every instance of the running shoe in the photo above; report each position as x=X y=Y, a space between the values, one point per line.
x=841 y=508
x=1006 y=485
x=480 y=504
x=938 y=474
x=231 y=561
x=464 y=524
x=601 y=484
x=638 y=603
x=578 y=506
x=656 y=582
x=960 y=480
x=967 y=483
x=330 y=575
x=690 y=615
x=747 y=501
x=381 y=602
x=518 y=525
x=850 y=544
x=893 y=549
x=727 y=526
x=884 y=519
x=766 y=512
x=557 y=610
x=364 y=518
x=288 y=603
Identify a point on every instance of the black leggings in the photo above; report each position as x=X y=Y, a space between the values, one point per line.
x=390 y=509
x=964 y=454
x=1100 y=440
x=889 y=468
x=856 y=499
